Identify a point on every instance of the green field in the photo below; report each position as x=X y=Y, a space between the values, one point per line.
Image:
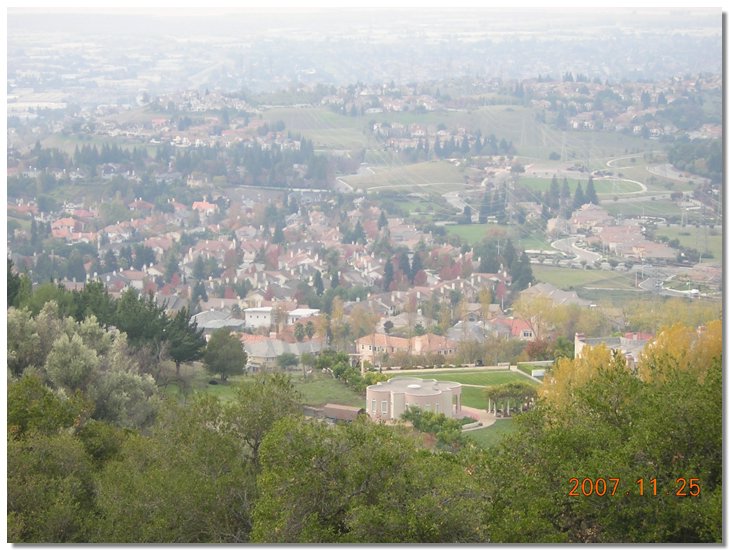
x=602 y=187
x=478 y=378
x=318 y=389
x=475 y=232
x=513 y=123
x=488 y=437
x=701 y=238
x=473 y=397
x=569 y=279
x=658 y=207
x=434 y=177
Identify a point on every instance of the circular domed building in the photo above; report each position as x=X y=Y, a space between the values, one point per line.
x=388 y=400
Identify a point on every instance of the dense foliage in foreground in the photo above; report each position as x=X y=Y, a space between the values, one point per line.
x=95 y=455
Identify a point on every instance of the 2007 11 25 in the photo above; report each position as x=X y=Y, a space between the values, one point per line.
x=586 y=486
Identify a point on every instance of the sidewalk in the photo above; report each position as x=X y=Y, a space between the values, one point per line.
x=484 y=417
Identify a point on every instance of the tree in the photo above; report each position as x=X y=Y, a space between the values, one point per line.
x=485 y=298
x=286 y=360
x=611 y=420
x=183 y=481
x=467 y=214
x=121 y=394
x=310 y=330
x=356 y=483
x=388 y=276
x=33 y=407
x=590 y=193
x=579 y=198
x=94 y=300
x=50 y=489
x=416 y=267
x=537 y=311
x=186 y=340
x=257 y=407
x=13 y=285
x=71 y=364
x=299 y=332
x=521 y=273
x=362 y=321
x=553 y=195
x=198 y=269
x=388 y=326
x=140 y=318
x=75 y=269
x=382 y=222
x=318 y=283
x=172 y=267
x=278 y=234
x=143 y=255
x=224 y=354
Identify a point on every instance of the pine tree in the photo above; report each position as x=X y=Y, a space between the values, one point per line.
x=382 y=222
x=318 y=283
x=389 y=275
x=579 y=198
x=590 y=193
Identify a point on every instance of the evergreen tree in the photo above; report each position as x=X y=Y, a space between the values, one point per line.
x=389 y=275
x=566 y=194
x=318 y=283
x=224 y=354
x=13 y=285
x=403 y=262
x=416 y=266
x=186 y=341
x=579 y=198
x=75 y=270
x=198 y=268
x=110 y=263
x=467 y=214
x=553 y=196
x=382 y=222
x=590 y=193
x=278 y=234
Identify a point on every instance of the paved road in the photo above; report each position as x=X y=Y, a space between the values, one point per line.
x=568 y=246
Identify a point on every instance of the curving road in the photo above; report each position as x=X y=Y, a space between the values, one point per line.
x=569 y=246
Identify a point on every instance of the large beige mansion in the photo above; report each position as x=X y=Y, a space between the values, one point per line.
x=388 y=400
x=372 y=347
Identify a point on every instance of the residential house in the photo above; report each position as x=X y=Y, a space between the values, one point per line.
x=258 y=317
x=373 y=346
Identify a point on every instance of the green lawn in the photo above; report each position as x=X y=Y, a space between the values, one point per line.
x=658 y=208
x=488 y=437
x=322 y=390
x=433 y=177
x=602 y=187
x=470 y=233
x=569 y=279
x=477 y=378
x=700 y=238
x=473 y=397
x=316 y=390
x=196 y=379
x=475 y=232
